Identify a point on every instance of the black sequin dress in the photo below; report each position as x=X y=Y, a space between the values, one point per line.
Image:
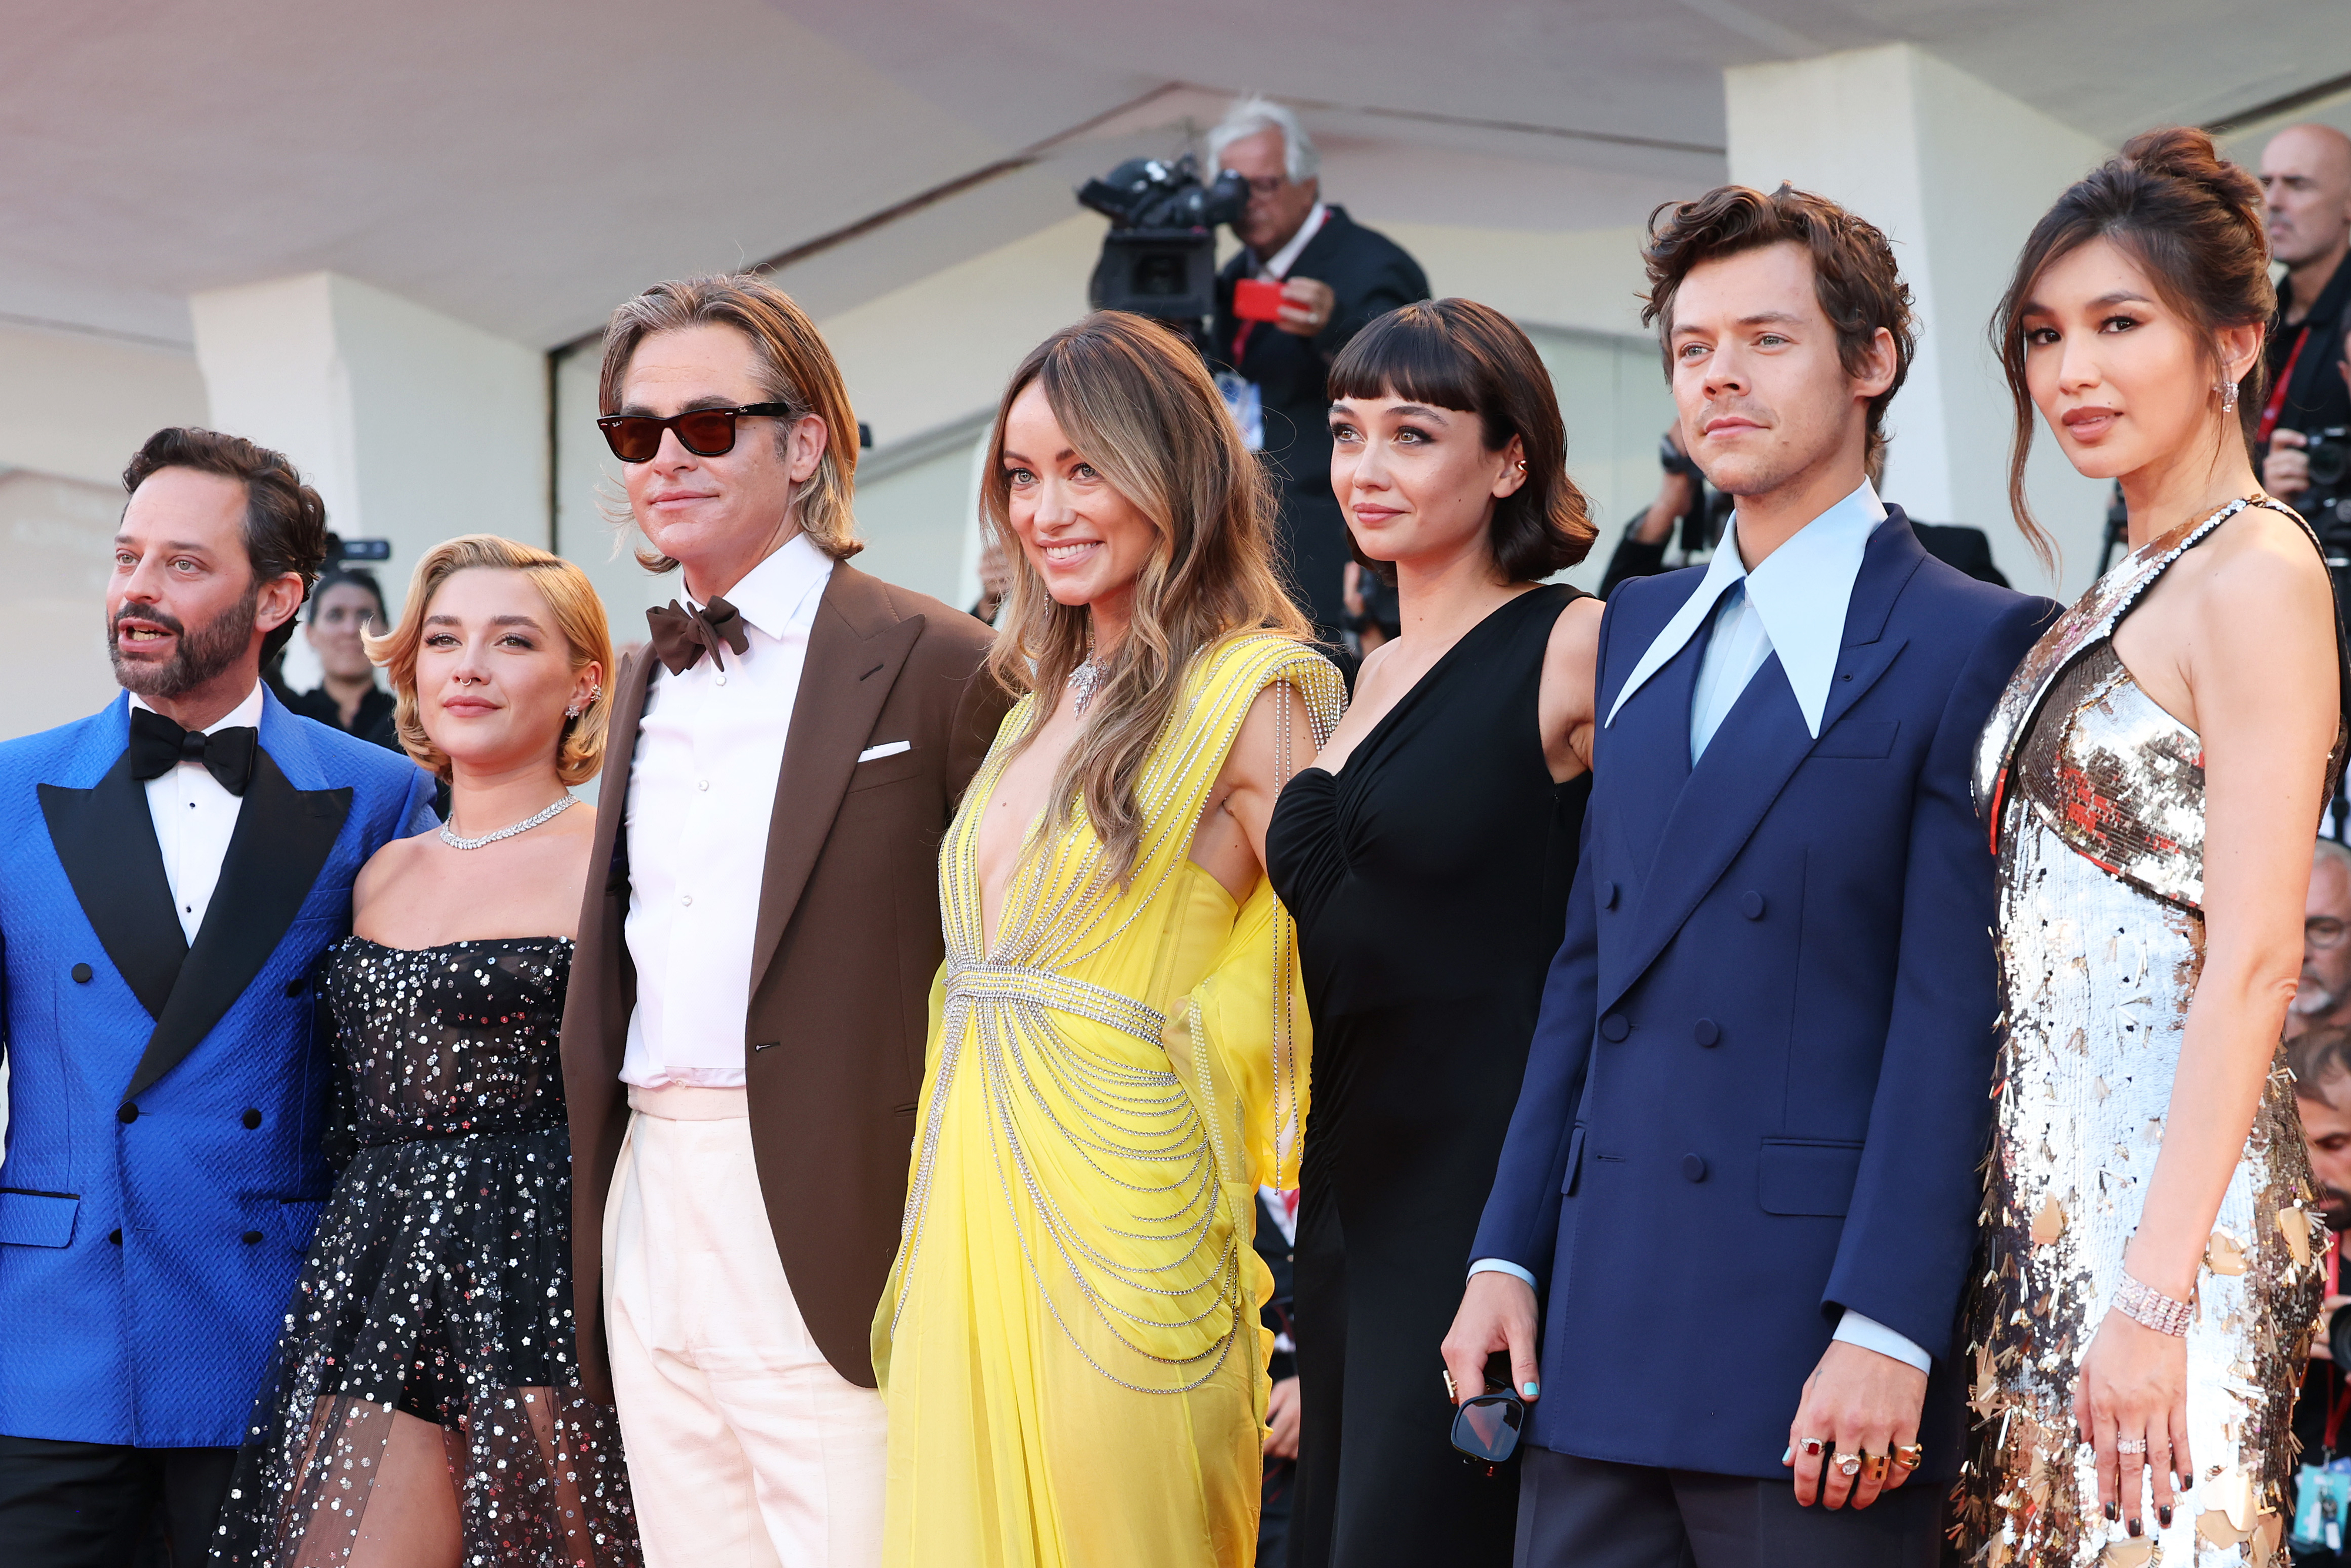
x=439 y=1282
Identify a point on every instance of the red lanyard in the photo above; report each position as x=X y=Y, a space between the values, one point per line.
x=2277 y=395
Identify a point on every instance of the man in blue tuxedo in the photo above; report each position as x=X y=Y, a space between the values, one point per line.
x=1744 y=1165
x=170 y=868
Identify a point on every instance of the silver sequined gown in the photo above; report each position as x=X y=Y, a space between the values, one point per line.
x=439 y=1281
x=2097 y=800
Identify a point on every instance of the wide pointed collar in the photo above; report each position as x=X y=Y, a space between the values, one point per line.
x=1801 y=591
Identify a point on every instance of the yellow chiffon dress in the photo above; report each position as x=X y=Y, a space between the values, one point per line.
x=1069 y=1341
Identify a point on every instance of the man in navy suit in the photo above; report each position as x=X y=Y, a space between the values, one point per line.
x=1742 y=1170
x=170 y=868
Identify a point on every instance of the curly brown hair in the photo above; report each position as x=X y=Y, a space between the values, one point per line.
x=1854 y=278
x=285 y=521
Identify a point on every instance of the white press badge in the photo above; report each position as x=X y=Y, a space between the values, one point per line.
x=1248 y=407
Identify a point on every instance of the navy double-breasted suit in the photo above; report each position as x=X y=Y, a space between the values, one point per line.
x=1756 y=1092
x=166 y=1099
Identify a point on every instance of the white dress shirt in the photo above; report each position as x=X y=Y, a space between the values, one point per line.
x=1286 y=257
x=195 y=819
x=1792 y=604
x=702 y=790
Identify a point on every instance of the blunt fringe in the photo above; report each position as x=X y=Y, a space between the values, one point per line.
x=1135 y=400
x=285 y=520
x=2196 y=224
x=796 y=369
x=1459 y=354
x=579 y=613
x=1854 y=275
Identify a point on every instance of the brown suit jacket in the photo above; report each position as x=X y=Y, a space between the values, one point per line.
x=848 y=944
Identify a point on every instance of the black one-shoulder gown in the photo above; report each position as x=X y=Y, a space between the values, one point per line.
x=1429 y=882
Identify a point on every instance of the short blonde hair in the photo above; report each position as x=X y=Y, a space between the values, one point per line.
x=579 y=616
x=796 y=369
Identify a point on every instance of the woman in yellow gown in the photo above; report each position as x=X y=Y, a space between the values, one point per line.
x=1069 y=1341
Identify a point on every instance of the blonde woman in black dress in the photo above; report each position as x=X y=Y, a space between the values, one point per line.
x=1426 y=857
x=422 y=1409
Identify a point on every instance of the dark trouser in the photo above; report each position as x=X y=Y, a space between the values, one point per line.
x=95 y=1505
x=1589 y=1514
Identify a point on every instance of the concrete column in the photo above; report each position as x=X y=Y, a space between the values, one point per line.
x=414 y=426
x=1957 y=174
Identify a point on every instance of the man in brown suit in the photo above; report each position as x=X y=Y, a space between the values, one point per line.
x=742 y=1044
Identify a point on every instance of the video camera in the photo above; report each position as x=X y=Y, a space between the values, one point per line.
x=1159 y=258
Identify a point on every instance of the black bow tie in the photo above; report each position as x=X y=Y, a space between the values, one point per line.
x=682 y=635
x=158 y=745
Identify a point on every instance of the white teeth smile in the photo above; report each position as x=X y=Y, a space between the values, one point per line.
x=1069 y=552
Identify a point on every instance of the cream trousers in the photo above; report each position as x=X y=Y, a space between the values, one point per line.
x=746 y=1448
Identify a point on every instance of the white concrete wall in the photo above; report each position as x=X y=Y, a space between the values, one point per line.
x=1956 y=174
x=412 y=426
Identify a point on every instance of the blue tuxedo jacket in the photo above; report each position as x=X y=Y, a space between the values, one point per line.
x=1757 y=1091
x=165 y=1101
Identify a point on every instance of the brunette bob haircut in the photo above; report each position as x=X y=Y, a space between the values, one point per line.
x=1459 y=354
x=579 y=615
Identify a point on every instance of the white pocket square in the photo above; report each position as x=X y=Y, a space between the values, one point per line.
x=887 y=748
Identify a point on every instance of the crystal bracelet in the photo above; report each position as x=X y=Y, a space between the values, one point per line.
x=2145 y=1304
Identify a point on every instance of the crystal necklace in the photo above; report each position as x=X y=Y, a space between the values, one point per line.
x=1084 y=681
x=562 y=803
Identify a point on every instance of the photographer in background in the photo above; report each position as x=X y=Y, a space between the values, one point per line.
x=2306 y=178
x=1308 y=278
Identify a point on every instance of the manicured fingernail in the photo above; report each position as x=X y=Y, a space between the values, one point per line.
x=2138 y=1526
x=1788 y=1455
x=2114 y=1510
x=2163 y=1518
x=2185 y=1481
x=1529 y=1388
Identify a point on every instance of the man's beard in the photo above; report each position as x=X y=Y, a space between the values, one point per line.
x=198 y=657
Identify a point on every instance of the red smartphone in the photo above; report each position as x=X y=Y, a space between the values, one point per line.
x=1257 y=299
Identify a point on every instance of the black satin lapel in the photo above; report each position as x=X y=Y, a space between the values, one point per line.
x=282 y=840
x=106 y=838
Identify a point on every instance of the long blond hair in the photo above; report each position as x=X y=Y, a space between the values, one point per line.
x=579 y=619
x=1135 y=400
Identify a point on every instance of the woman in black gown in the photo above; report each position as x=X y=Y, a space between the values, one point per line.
x=422 y=1409
x=1426 y=859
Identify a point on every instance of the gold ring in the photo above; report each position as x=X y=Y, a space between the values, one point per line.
x=1451 y=1392
x=1850 y=1464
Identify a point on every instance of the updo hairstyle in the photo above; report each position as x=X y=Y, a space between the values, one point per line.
x=2195 y=223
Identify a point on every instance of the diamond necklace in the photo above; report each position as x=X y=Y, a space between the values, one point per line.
x=1084 y=681
x=561 y=804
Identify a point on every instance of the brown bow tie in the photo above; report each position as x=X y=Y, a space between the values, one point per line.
x=683 y=634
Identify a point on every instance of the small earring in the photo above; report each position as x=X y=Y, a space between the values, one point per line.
x=571 y=712
x=2228 y=397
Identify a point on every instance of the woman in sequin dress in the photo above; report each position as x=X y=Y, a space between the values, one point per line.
x=2152 y=780
x=421 y=1409
x=1069 y=1340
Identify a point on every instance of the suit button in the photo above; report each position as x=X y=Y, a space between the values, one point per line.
x=81 y=973
x=293 y=986
x=128 y=1114
x=1693 y=1168
x=115 y=1236
x=1750 y=905
x=252 y=1118
x=1614 y=1027
x=253 y=1238
x=1705 y=1033
x=1607 y=896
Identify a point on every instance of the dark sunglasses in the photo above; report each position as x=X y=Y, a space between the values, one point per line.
x=704 y=432
x=1486 y=1426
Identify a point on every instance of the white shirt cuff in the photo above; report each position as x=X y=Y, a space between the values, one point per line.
x=1496 y=1266
x=1871 y=1335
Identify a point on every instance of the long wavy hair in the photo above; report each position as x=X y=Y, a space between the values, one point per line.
x=1134 y=399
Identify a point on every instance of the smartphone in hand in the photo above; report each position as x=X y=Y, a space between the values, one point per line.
x=1257 y=299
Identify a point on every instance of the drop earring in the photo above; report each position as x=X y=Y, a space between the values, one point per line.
x=2228 y=397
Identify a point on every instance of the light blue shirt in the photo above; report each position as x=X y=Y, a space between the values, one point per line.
x=1795 y=605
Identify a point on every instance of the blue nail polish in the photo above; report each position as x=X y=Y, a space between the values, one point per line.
x=1529 y=1388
